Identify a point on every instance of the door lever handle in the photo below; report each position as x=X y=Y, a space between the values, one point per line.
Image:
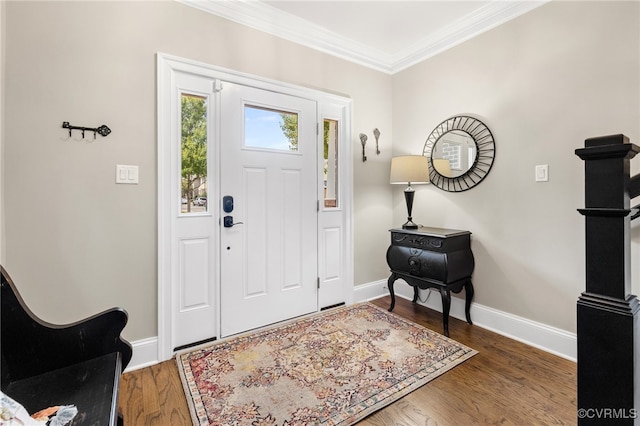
x=228 y=222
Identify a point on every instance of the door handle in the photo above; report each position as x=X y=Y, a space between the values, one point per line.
x=228 y=222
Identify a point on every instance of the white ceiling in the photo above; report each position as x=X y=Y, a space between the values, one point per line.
x=388 y=36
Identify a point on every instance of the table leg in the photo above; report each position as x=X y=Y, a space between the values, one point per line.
x=468 y=291
x=390 y=282
x=446 y=307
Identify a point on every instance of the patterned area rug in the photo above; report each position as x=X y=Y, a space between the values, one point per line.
x=331 y=368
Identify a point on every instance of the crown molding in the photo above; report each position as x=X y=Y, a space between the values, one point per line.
x=262 y=17
x=467 y=27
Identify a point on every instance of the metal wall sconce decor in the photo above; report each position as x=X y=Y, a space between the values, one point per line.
x=461 y=152
x=363 y=141
x=102 y=130
x=376 y=133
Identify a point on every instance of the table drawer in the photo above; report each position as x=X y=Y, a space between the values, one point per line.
x=429 y=242
x=445 y=267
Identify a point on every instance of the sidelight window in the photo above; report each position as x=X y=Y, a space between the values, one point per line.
x=193 y=154
x=330 y=156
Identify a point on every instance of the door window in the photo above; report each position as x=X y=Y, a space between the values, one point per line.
x=270 y=129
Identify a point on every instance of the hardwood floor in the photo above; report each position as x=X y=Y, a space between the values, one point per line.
x=507 y=382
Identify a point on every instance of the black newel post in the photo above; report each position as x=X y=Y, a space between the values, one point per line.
x=608 y=327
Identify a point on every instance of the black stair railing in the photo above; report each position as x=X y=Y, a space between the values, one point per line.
x=634 y=191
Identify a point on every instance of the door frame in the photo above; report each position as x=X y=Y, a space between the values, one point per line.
x=167 y=66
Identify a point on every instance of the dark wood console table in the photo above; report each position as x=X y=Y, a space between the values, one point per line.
x=432 y=258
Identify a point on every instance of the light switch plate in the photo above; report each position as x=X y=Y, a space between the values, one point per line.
x=542 y=173
x=126 y=174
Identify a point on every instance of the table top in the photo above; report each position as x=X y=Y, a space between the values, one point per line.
x=432 y=232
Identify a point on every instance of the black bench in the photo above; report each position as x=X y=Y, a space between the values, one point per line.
x=45 y=365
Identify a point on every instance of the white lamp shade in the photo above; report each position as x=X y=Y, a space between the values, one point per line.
x=409 y=168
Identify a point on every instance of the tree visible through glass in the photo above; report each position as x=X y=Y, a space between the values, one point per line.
x=193 y=150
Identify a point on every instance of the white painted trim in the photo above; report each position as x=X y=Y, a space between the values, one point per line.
x=346 y=186
x=171 y=63
x=263 y=17
x=370 y=291
x=145 y=354
x=547 y=338
x=467 y=27
x=165 y=84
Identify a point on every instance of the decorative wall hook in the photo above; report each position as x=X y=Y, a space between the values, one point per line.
x=363 y=141
x=102 y=130
x=376 y=133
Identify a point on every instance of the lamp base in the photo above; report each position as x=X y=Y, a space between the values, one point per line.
x=408 y=196
x=409 y=225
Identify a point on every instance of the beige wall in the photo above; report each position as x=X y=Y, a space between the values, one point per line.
x=543 y=83
x=77 y=242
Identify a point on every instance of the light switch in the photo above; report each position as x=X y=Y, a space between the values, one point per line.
x=542 y=173
x=133 y=174
x=126 y=174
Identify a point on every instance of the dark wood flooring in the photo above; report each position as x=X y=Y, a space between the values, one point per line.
x=506 y=383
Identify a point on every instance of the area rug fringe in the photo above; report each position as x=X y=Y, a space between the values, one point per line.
x=209 y=397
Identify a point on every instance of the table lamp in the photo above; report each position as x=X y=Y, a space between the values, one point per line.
x=409 y=169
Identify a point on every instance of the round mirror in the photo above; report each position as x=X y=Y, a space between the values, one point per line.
x=461 y=151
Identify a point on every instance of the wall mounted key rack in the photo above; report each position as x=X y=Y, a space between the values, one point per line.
x=102 y=130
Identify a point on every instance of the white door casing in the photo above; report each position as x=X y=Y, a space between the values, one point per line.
x=201 y=241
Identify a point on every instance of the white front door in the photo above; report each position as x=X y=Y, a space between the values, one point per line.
x=269 y=262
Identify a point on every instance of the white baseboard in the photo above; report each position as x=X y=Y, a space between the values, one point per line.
x=550 y=339
x=145 y=354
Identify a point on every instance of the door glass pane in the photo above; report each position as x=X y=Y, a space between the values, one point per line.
x=330 y=163
x=270 y=129
x=193 y=155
